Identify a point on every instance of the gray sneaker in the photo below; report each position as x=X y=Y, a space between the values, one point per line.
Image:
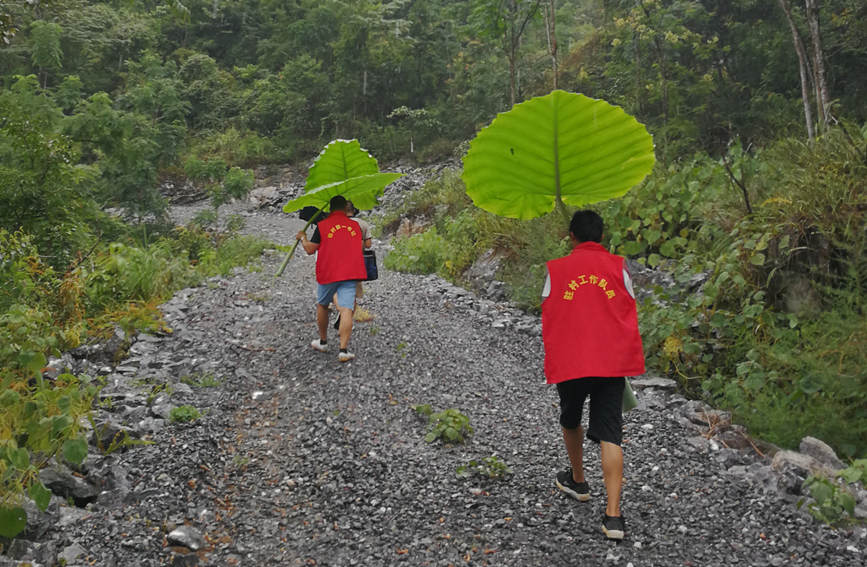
x=317 y=345
x=345 y=356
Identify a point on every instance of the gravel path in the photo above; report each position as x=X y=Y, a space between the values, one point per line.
x=301 y=460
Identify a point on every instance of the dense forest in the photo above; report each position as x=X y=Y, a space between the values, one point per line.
x=756 y=108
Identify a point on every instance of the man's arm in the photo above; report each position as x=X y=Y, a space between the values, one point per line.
x=309 y=247
x=368 y=242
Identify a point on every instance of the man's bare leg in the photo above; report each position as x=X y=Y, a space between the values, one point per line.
x=574 y=441
x=345 y=329
x=322 y=322
x=612 y=475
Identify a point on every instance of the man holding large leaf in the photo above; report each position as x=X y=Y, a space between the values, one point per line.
x=590 y=331
x=339 y=265
x=544 y=154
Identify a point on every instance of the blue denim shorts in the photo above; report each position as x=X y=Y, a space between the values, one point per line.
x=345 y=291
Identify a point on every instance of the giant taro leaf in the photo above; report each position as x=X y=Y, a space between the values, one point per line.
x=343 y=168
x=338 y=161
x=362 y=191
x=562 y=146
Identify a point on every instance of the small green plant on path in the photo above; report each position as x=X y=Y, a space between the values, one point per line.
x=184 y=414
x=833 y=502
x=206 y=380
x=451 y=426
x=491 y=467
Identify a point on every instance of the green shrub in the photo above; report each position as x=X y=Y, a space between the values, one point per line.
x=234 y=147
x=832 y=500
x=184 y=414
x=418 y=254
x=451 y=426
x=37 y=422
x=238 y=251
x=491 y=467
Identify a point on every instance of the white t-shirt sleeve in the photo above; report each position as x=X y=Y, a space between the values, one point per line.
x=627 y=281
x=546 y=291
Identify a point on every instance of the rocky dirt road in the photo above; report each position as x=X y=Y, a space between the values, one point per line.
x=301 y=460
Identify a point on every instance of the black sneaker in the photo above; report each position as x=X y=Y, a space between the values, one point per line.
x=613 y=526
x=577 y=490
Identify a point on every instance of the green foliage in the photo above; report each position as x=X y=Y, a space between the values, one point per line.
x=13 y=520
x=490 y=467
x=125 y=148
x=46 y=53
x=205 y=380
x=184 y=414
x=44 y=193
x=832 y=503
x=124 y=273
x=222 y=183
x=417 y=254
x=450 y=426
x=237 y=148
x=38 y=421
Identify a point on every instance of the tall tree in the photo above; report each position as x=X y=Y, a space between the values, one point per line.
x=802 y=68
x=823 y=99
x=506 y=21
x=46 y=54
x=550 y=11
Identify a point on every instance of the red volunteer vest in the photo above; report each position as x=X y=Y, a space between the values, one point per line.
x=339 y=257
x=589 y=320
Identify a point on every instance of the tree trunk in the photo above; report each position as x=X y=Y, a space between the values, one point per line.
x=512 y=41
x=513 y=78
x=550 y=32
x=823 y=99
x=802 y=68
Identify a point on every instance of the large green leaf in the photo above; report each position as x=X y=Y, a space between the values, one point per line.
x=12 y=521
x=343 y=168
x=562 y=145
x=362 y=191
x=338 y=161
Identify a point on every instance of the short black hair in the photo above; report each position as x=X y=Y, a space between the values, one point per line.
x=586 y=226
x=337 y=203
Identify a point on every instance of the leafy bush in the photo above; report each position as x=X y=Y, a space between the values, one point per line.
x=184 y=414
x=491 y=467
x=832 y=501
x=418 y=254
x=234 y=147
x=451 y=426
x=37 y=422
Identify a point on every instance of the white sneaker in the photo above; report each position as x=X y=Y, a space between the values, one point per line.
x=317 y=345
x=345 y=356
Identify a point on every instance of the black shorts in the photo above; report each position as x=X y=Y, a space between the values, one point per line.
x=606 y=406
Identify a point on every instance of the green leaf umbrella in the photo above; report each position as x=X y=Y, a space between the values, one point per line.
x=555 y=149
x=362 y=191
x=342 y=168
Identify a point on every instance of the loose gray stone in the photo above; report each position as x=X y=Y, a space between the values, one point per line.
x=71 y=553
x=186 y=536
x=821 y=451
x=653 y=382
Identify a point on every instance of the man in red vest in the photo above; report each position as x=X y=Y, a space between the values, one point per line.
x=339 y=265
x=590 y=332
